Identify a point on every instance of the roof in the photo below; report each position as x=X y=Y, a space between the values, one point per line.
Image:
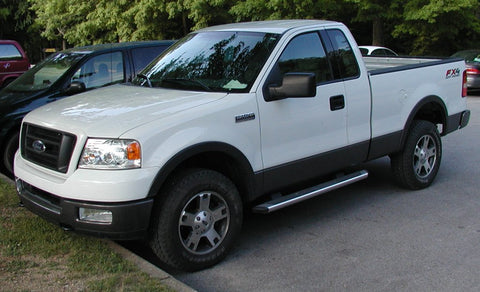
x=269 y=26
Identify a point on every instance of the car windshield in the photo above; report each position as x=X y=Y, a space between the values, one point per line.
x=46 y=72
x=210 y=61
x=469 y=56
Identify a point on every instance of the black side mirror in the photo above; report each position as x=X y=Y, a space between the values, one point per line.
x=293 y=85
x=75 y=87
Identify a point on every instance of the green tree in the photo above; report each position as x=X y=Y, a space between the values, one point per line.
x=378 y=13
x=148 y=20
x=17 y=23
x=439 y=27
x=97 y=25
x=249 y=10
x=56 y=17
x=15 y=17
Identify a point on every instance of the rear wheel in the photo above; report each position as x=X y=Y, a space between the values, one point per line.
x=196 y=221
x=416 y=166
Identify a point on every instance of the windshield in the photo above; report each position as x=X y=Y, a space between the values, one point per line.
x=211 y=61
x=46 y=73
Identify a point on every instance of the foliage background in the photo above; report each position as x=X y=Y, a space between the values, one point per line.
x=411 y=27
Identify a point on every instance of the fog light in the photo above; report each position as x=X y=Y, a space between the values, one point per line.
x=95 y=215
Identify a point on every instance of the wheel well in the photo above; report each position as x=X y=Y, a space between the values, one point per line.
x=430 y=109
x=431 y=112
x=237 y=170
x=219 y=162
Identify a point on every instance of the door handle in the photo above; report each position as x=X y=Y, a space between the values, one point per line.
x=337 y=102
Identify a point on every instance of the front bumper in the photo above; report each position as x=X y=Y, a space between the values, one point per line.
x=130 y=220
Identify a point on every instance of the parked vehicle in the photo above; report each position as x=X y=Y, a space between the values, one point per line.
x=64 y=74
x=13 y=61
x=472 y=60
x=257 y=115
x=376 y=51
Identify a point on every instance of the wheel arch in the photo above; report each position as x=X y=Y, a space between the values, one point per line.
x=218 y=156
x=432 y=109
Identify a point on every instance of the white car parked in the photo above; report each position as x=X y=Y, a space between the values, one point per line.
x=376 y=51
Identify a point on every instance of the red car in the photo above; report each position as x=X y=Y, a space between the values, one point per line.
x=13 y=61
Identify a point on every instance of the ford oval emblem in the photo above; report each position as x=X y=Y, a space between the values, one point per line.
x=39 y=146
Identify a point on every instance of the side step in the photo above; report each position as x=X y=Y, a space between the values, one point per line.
x=287 y=200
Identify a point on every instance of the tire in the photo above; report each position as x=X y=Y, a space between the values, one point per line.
x=196 y=220
x=417 y=165
x=9 y=153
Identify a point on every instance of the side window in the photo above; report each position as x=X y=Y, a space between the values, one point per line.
x=343 y=53
x=143 y=56
x=9 y=52
x=305 y=53
x=101 y=70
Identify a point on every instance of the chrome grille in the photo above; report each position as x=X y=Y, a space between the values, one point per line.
x=48 y=148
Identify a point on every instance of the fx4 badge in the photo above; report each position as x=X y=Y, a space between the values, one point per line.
x=451 y=73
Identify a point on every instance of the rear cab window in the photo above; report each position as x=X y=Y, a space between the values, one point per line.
x=344 y=62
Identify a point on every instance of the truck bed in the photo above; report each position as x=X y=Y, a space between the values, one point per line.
x=375 y=63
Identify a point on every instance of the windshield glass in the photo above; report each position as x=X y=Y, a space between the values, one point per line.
x=211 y=61
x=46 y=72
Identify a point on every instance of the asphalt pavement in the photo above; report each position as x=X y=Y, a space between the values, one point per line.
x=370 y=236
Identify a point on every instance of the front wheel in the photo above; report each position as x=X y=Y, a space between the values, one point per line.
x=416 y=166
x=196 y=220
x=9 y=153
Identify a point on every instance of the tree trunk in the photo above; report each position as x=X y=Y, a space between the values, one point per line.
x=184 y=23
x=377 y=39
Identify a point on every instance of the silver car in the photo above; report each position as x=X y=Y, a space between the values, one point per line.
x=472 y=60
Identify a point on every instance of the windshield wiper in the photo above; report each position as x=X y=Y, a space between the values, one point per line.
x=146 y=78
x=183 y=81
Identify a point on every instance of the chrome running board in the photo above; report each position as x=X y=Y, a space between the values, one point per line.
x=288 y=200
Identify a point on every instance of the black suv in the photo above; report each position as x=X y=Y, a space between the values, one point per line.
x=64 y=74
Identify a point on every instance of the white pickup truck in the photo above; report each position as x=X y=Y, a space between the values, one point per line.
x=248 y=116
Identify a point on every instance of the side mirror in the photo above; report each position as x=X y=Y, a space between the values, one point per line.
x=293 y=85
x=75 y=87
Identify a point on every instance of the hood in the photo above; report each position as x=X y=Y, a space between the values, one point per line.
x=116 y=109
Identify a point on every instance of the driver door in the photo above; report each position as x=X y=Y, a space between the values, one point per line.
x=300 y=134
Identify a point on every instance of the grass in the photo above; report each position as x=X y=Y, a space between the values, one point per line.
x=37 y=255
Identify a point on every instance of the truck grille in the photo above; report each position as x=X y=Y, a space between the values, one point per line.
x=48 y=148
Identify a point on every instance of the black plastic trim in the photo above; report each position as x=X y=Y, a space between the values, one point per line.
x=384 y=145
x=457 y=121
x=304 y=170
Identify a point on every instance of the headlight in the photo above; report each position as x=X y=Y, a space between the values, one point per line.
x=111 y=154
